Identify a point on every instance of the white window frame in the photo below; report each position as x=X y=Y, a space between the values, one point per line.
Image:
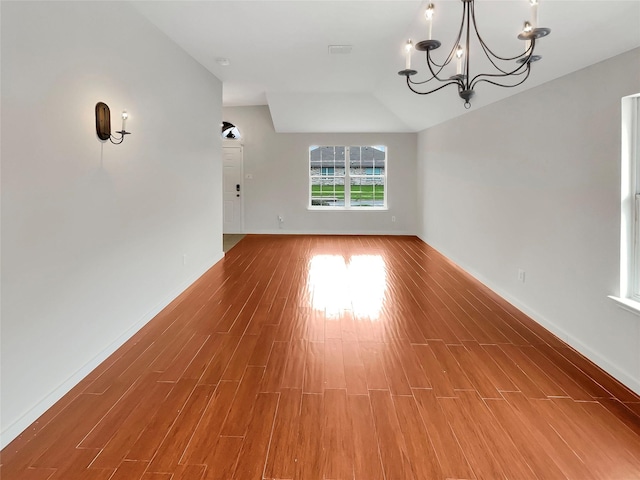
x=629 y=296
x=347 y=182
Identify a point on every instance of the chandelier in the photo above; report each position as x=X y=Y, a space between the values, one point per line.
x=504 y=73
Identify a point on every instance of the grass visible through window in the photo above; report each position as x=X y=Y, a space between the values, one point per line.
x=359 y=192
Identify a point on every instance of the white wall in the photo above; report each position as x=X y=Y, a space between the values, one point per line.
x=533 y=182
x=279 y=164
x=93 y=234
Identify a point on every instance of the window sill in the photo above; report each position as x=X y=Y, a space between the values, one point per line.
x=627 y=304
x=352 y=209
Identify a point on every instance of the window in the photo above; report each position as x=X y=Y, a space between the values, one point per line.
x=630 y=205
x=348 y=177
x=630 y=128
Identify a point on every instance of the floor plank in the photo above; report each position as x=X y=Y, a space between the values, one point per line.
x=453 y=462
x=310 y=454
x=393 y=450
x=338 y=445
x=282 y=458
x=366 y=461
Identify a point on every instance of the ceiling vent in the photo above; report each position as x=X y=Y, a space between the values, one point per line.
x=340 y=49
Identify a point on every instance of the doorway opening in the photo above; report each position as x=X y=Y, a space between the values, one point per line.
x=230 y=240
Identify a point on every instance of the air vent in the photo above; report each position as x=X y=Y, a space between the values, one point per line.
x=340 y=49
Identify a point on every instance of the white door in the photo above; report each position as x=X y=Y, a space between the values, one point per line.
x=232 y=189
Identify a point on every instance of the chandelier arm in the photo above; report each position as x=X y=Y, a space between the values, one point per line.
x=520 y=70
x=431 y=63
x=430 y=91
x=441 y=68
x=447 y=60
x=529 y=51
x=422 y=82
x=481 y=76
x=433 y=76
x=486 y=47
x=512 y=72
x=477 y=80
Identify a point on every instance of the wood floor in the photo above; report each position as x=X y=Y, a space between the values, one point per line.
x=302 y=357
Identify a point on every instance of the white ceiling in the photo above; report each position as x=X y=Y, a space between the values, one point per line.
x=278 y=53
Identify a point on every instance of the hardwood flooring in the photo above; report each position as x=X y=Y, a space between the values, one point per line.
x=320 y=357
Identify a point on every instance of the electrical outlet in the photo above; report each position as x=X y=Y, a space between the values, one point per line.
x=280 y=219
x=521 y=275
x=184 y=259
x=393 y=218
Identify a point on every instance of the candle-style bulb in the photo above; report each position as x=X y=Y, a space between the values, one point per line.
x=125 y=115
x=428 y=13
x=459 y=54
x=407 y=48
x=527 y=29
x=534 y=13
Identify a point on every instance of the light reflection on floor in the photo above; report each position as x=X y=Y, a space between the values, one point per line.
x=357 y=283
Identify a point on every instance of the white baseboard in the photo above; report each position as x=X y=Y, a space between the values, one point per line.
x=17 y=427
x=277 y=231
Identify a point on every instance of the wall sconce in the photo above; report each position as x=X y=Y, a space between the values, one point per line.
x=103 y=124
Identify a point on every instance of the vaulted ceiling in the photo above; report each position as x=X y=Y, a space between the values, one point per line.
x=278 y=53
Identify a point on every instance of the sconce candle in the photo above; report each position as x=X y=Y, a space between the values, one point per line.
x=125 y=115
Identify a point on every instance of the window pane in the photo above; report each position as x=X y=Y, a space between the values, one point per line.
x=327 y=191
x=367 y=153
x=367 y=191
x=355 y=158
x=367 y=160
x=332 y=153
